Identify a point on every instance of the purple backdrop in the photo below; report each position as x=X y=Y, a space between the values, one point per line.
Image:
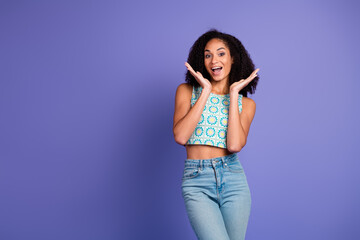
x=86 y=104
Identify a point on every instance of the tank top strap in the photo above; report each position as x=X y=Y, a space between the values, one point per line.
x=194 y=96
x=240 y=102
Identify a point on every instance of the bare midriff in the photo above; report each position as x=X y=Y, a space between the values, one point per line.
x=205 y=152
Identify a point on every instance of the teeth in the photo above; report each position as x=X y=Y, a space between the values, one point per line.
x=216 y=68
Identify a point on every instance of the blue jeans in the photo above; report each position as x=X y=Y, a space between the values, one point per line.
x=217 y=197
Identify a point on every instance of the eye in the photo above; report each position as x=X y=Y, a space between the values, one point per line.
x=221 y=54
x=207 y=55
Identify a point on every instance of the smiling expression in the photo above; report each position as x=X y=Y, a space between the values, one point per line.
x=217 y=60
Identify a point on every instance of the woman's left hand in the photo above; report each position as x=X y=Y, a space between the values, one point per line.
x=237 y=86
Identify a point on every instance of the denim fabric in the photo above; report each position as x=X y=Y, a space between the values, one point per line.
x=217 y=197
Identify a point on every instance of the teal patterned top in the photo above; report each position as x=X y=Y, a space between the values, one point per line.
x=212 y=127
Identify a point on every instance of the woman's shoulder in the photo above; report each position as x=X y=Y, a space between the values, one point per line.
x=248 y=103
x=184 y=89
x=187 y=86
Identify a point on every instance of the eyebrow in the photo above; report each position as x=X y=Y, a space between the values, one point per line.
x=216 y=50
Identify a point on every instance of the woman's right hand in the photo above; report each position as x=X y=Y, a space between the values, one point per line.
x=204 y=83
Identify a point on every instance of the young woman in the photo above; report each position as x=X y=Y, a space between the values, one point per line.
x=212 y=120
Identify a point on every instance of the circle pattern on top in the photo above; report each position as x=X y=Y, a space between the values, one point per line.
x=222 y=134
x=213 y=109
x=224 y=111
x=212 y=120
x=199 y=131
x=224 y=121
x=210 y=132
x=193 y=96
x=209 y=142
x=201 y=119
x=221 y=145
x=214 y=100
x=197 y=141
x=225 y=102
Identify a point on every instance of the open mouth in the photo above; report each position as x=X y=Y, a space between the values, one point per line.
x=216 y=70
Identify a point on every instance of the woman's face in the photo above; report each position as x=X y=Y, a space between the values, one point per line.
x=217 y=60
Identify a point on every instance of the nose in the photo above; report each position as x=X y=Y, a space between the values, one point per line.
x=214 y=59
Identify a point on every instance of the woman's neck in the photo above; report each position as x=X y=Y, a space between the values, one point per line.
x=221 y=87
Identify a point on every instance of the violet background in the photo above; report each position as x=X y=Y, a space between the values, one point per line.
x=86 y=105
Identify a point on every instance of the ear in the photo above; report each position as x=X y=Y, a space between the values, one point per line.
x=232 y=60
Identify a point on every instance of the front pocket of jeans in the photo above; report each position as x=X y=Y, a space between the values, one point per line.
x=234 y=167
x=190 y=172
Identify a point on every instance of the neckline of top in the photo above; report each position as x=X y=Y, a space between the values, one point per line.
x=216 y=94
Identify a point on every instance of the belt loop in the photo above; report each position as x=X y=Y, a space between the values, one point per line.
x=201 y=164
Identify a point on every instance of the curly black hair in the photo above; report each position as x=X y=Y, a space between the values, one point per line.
x=241 y=68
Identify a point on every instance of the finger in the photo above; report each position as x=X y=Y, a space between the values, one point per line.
x=256 y=70
x=249 y=79
x=254 y=73
x=191 y=70
x=189 y=66
x=242 y=81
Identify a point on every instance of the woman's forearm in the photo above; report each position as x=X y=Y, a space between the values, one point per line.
x=236 y=136
x=186 y=126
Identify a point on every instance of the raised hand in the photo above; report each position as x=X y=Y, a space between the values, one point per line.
x=237 y=86
x=204 y=83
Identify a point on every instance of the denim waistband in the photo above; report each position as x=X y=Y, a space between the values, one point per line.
x=211 y=161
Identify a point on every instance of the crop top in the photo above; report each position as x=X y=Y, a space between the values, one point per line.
x=212 y=127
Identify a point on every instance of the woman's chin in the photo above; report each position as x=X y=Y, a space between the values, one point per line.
x=217 y=78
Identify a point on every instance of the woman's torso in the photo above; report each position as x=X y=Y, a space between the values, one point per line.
x=205 y=151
